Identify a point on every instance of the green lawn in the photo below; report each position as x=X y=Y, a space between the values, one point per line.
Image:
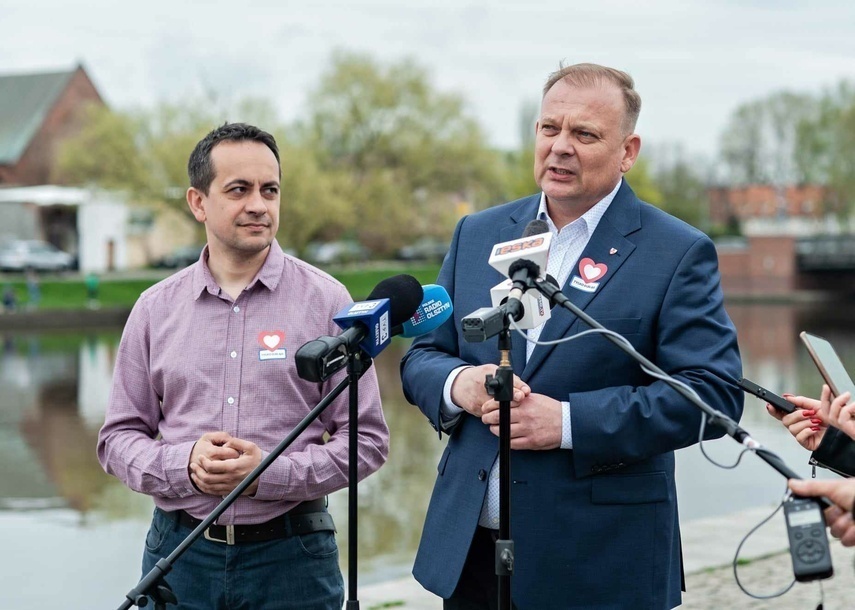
x=70 y=293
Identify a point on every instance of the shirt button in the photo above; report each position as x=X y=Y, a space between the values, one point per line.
x=231 y=400
x=482 y=474
x=233 y=354
x=236 y=309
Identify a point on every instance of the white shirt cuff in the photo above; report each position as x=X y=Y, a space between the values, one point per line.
x=449 y=412
x=566 y=437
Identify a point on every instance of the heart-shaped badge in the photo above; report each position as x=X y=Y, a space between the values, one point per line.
x=590 y=271
x=271 y=339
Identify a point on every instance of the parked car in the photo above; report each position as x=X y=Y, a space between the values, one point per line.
x=22 y=254
x=336 y=252
x=179 y=258
x=424 y=249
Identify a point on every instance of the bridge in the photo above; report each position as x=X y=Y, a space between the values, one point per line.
x=779 y=265
x=825 y=253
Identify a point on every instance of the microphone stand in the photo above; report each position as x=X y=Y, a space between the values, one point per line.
x=501 y=387
x=716 y=417
x=357 y=364
x=152 y=585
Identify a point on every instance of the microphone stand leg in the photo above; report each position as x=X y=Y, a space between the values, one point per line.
x=501 y=388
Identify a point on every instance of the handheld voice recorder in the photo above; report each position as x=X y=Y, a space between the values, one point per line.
x=808 y=540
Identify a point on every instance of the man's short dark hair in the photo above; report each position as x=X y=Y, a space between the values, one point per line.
x=200 y=168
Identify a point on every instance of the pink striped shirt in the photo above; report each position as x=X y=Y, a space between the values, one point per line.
x=192 y=360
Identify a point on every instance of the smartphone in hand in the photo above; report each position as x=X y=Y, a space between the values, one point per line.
x=779 y=402
x=829 y=364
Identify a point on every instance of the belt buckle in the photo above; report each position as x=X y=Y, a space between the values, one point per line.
x=230 y=535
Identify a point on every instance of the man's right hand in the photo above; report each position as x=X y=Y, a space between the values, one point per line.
x=469 y=393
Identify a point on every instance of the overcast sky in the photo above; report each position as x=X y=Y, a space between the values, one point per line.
x=693 y=61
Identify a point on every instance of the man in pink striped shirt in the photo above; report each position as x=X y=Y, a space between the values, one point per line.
x=205 y=386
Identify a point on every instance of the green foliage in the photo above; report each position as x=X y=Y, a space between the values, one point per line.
x=682 y=187
x=407 y=153
x=642 y=182
x=105 y=152
x=826 y=152
x=144 y=153
x=70 y=293
x=761 y=138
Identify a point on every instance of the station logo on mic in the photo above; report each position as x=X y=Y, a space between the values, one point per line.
x=534 y=248
x=375 y=316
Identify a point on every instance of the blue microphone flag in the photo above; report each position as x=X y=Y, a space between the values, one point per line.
x=373 y=317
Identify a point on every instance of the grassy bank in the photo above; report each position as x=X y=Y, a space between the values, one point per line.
x=116 y=292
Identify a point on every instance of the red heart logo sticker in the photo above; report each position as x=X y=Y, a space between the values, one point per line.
x=271 y=339
x=590 y=271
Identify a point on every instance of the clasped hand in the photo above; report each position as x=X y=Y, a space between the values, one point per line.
x=535 y=418
x=220 y=461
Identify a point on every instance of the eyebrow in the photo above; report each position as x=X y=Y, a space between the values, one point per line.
x=237 y=182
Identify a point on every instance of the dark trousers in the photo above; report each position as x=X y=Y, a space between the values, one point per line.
x=478 y=588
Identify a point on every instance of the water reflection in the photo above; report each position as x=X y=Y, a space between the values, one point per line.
x=84 y=530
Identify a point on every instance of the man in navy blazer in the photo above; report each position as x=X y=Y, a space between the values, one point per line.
x=593 y=501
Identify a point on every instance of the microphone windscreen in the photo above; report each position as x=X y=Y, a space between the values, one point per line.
x=433 y=311
x=532 y=267
x=535 y=227
x=404 y=293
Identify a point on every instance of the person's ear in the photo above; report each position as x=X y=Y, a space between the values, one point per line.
x=631 y=148
x=195 y=200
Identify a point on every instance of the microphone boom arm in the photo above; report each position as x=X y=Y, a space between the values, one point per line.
x=716 y=417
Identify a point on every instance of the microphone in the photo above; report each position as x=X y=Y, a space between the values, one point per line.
x=367 y=325
x=532 y=246
x=434 y=310
x=522 y=259
x=536 y=308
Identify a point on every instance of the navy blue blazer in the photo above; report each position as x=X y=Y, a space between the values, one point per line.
x=595 y=526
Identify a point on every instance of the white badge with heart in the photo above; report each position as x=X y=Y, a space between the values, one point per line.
x=272 y=345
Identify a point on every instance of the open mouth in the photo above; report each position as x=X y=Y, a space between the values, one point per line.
x=561 y=171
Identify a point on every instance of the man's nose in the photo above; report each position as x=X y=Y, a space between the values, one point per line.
x=255 y=203
x=563 y=144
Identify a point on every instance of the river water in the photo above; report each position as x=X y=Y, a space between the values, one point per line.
x=73 y=536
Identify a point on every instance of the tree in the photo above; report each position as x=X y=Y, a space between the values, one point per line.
x=411 y=154
x=760 y=141
x=641 y=181
x=826 y=151
x=682 y=187
x=144 y=152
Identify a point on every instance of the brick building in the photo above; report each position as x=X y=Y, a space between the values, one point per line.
x=37 y=111
x=728 y=204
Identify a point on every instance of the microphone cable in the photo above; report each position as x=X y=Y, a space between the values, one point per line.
x=676 y=382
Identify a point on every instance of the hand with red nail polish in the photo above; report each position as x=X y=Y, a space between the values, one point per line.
x=807 y=423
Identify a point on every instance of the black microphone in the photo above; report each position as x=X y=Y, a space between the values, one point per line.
x=367 y=325
x=522 y=270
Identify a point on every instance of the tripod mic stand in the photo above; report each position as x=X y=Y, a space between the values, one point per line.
x=152 y=584
x=479 y=326
x=501 y=387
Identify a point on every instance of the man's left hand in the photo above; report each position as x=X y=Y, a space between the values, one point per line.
x=535 y=422
x=220 y=477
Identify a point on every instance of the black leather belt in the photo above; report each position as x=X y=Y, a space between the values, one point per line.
x=304 y=518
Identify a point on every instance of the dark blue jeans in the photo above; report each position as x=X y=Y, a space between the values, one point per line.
x=300 y=572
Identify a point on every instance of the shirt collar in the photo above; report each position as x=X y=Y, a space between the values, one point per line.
x=269 y=274
x=590 y=219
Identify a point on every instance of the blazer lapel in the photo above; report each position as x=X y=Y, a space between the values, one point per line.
x=605 y=253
